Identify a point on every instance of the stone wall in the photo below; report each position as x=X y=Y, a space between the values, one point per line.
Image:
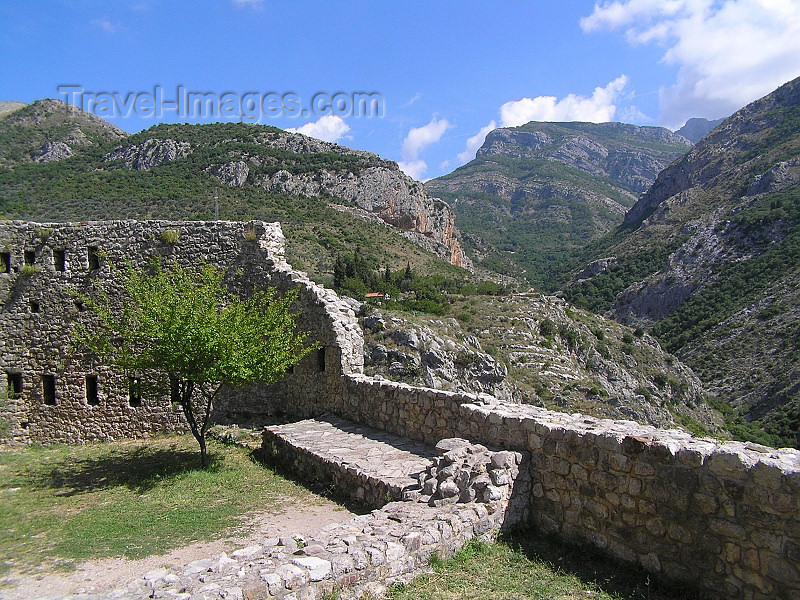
x=67 y=396
x=724 y=517
x=354 y=559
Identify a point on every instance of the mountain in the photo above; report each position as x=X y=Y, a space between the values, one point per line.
x=9 y=107
x=697 y=128
x=59 y=163
x=537 y=349
x=538 y=193
x=50 y=130
x=709 y=257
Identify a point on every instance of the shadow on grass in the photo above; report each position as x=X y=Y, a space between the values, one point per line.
x=319 y=487
x=139 y=469
x=590 y=566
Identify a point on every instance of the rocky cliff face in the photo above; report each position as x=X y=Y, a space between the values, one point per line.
x=383 y=191
x=551 y=188
x=151 y=153
x=710 y=256
x=627 y=154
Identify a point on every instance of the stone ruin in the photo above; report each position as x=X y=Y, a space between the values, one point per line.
x=721 y=517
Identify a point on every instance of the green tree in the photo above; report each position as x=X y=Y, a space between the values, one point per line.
x=186 y=325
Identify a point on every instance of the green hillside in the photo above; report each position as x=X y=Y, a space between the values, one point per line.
x=96 y=182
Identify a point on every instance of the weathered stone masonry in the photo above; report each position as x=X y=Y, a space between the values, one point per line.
x=724 y=517
x=51 y=265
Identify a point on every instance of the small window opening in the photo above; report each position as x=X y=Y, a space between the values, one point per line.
x=93 y=254
x=60 y=260
x=30 y=257
x=35 y=306
x=174 y=390
x=5 y=262
x=321 y=360
x=134 y=391
x=80 y=305
x=290 y=370
x=92 y=398
x=49 y=389
x=14 y=383
x=24 y=424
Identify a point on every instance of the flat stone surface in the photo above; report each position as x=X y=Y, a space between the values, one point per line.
x=372 y=453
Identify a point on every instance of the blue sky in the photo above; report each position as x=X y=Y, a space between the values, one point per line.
x=447 y=72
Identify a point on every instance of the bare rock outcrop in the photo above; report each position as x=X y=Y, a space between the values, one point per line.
x=233 y=173
x=151 y=153
x=388 y=193
x=53 y=151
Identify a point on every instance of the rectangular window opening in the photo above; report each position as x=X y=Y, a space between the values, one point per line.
x=5 y=262
x=35 y=306
x=49 y=389
x=174 y=390
x=134 y=392
x=29 y=256
x=93 y=254
x=321 y=360
x=14 y=384
x=92 y=398
x=60 y=260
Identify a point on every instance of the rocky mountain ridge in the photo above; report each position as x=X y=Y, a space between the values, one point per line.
x=550 y=188
x=709 y=257
x=376 y=186
x=697 y=128
x=189 y=161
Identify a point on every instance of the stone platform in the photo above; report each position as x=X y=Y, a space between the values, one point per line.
x=370 y=466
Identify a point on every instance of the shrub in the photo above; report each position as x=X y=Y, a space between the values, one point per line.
x=170 y=237
x=547 y=327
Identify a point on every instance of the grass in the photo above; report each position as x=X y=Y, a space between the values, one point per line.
x=60 y=505
x=527 y=566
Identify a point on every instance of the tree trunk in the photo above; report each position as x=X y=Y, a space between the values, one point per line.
x=186 y=391
x=199 y=430
x=203 y=452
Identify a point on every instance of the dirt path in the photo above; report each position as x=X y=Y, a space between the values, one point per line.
x=98 y=575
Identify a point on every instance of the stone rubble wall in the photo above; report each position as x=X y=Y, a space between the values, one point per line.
x=41 y=306
x=721 y=516
x=364 y=555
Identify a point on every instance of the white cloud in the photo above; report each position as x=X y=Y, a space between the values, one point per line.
x=417 y=140
x=105 y=25
x=475 y=142
x=632 y=114
x=328 y=128
x=412 y=100
x=729 y=52
x=600 y=107
x=415 y=169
